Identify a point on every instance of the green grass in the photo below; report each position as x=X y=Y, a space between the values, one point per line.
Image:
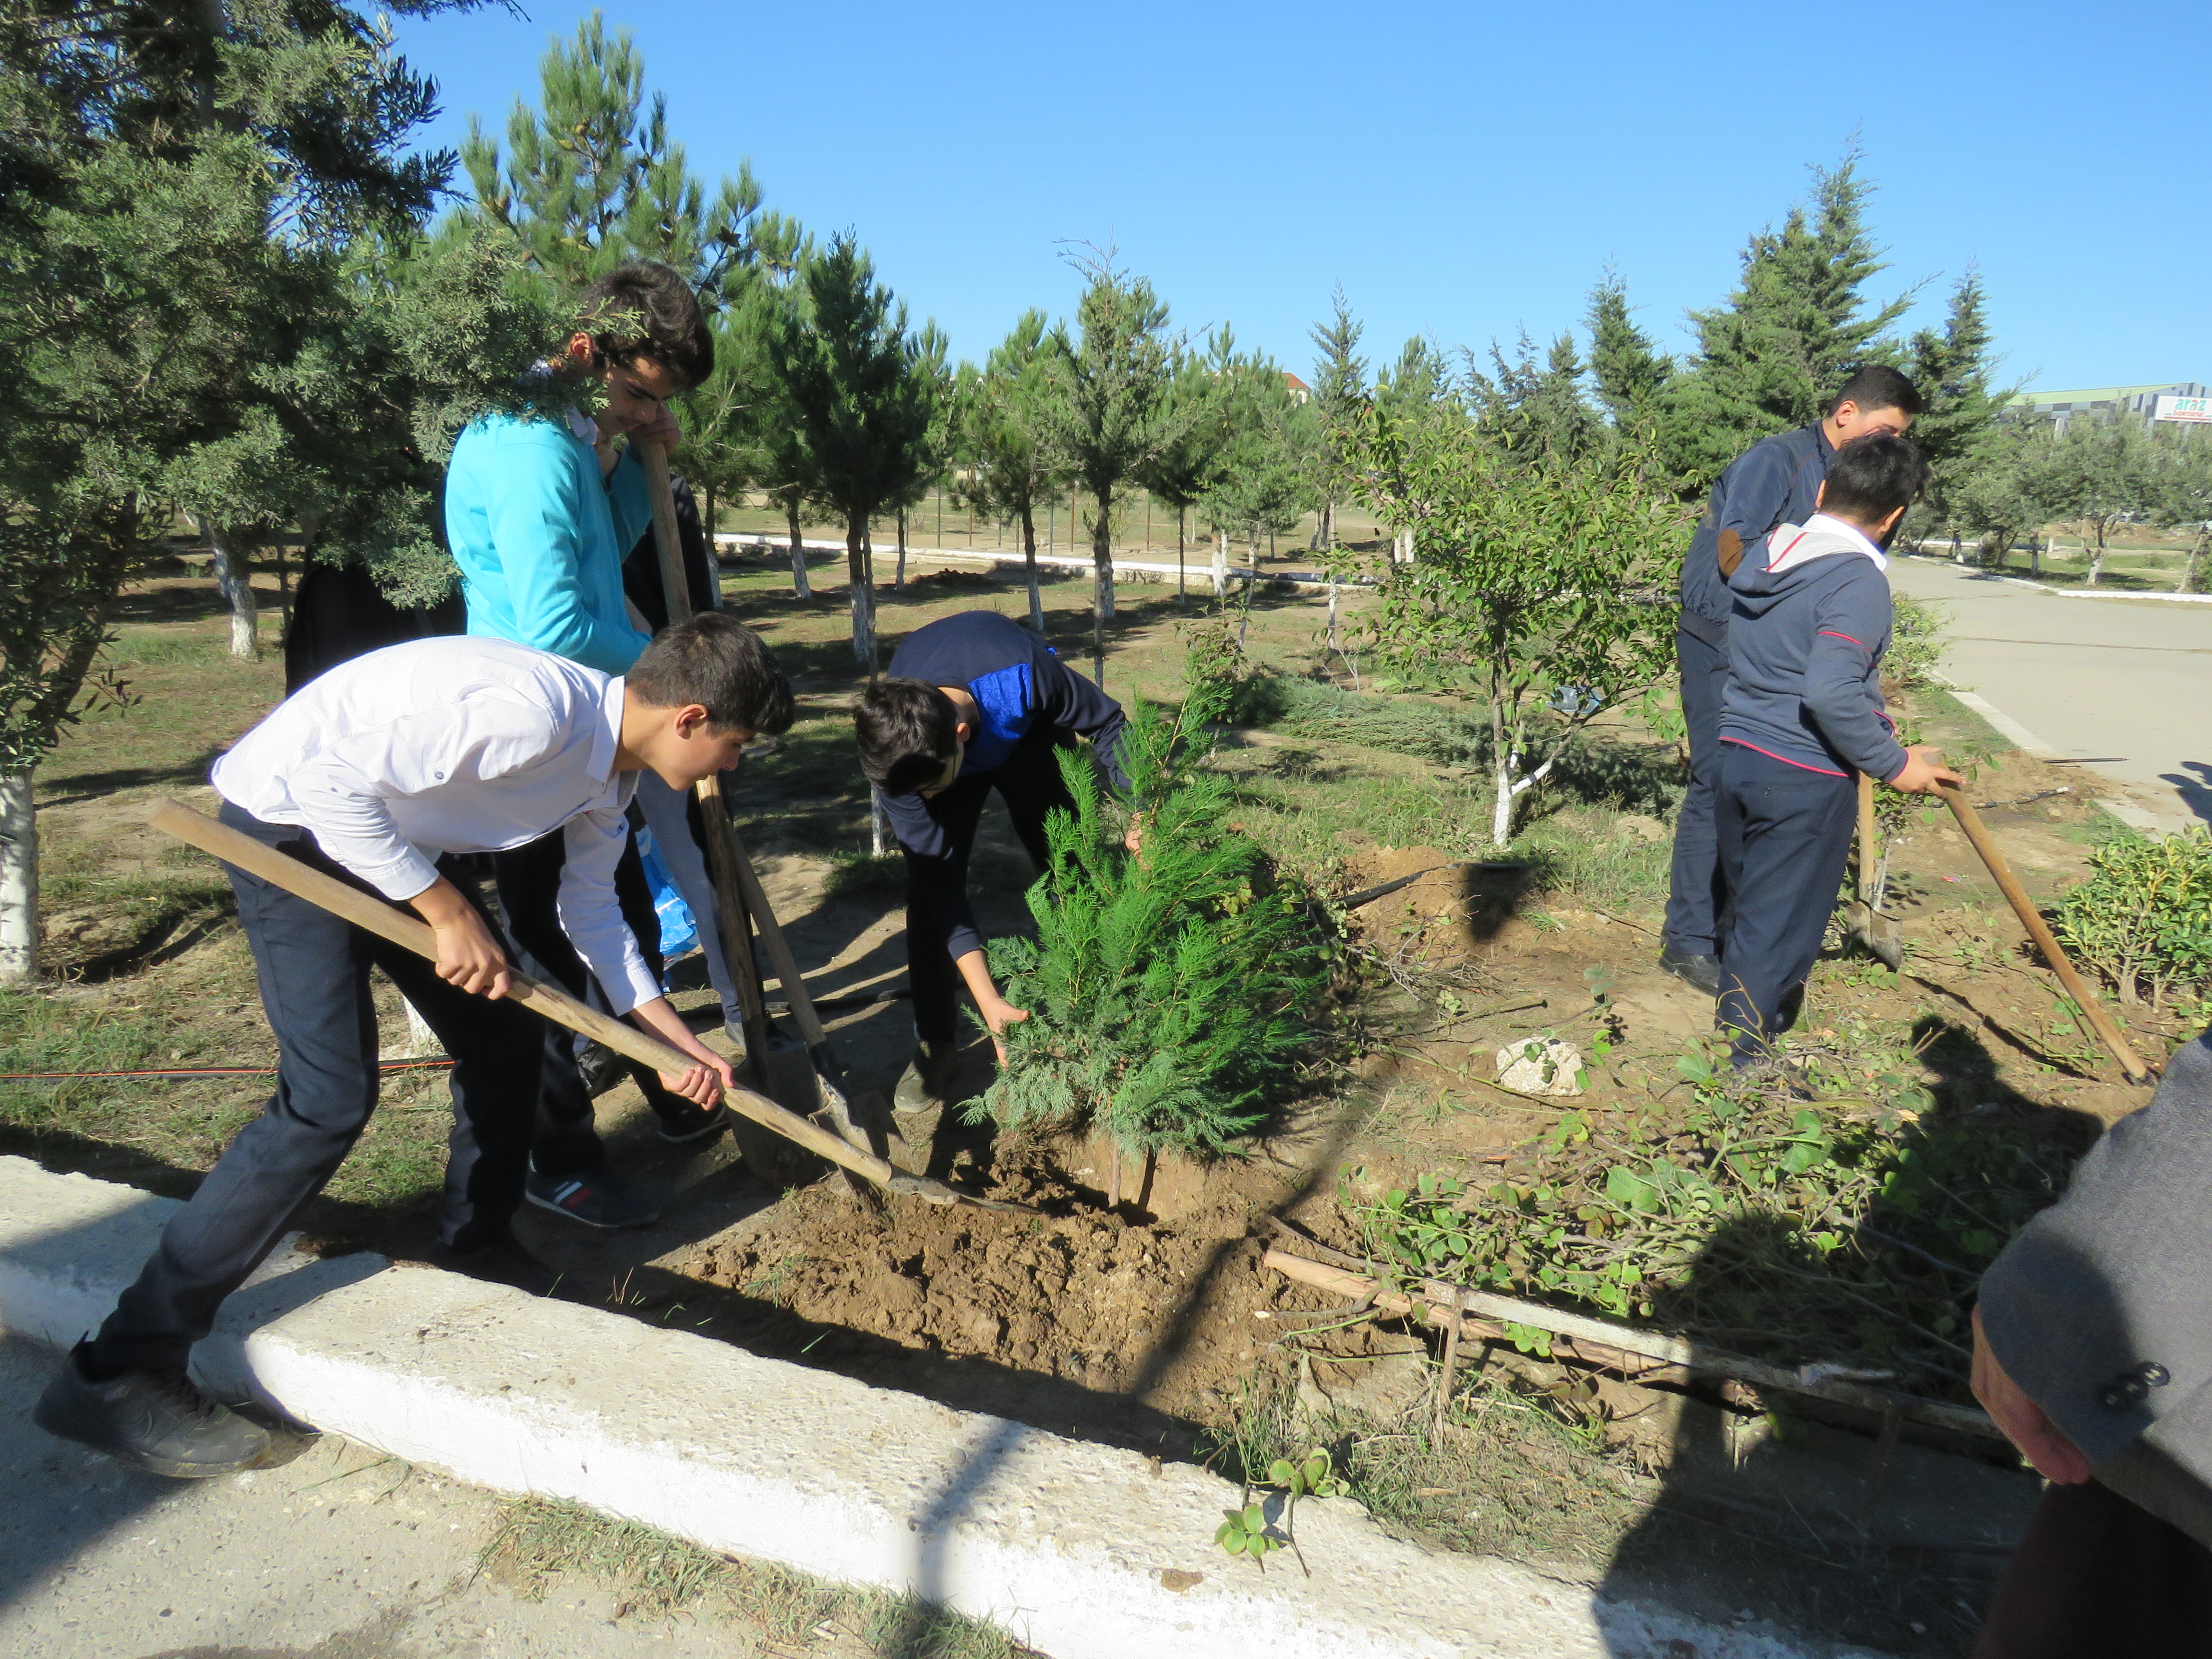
x=1512 y=1475
x=540 y=1540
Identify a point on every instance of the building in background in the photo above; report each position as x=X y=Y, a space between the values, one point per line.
x=2188 y=401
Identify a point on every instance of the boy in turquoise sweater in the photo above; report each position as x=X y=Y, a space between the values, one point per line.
x=540 y=512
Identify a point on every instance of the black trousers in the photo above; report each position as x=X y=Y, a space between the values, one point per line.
x=314 y=974
x=2098 y=1577
x=1785 y=835
x=1697 y=891
x=1031 y=784
x=528 y=878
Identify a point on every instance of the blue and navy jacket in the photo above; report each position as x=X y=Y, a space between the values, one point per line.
x=1025 y=696
x=1777 y=481
x=1812 y=618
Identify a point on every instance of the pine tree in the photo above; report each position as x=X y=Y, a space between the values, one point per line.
x=593 y=179
x=1009 y=471
x=1418 y=388
x=1626 y=367
x=1110 y=413
x=193 y=277
x=1798 y=324
x=742 y=422
x=1339 y=387
x=1186 y=469
x=1528 y=407
x=1170 y=993
x=863 y=390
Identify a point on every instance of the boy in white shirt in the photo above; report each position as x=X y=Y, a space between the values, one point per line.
x=373 y=772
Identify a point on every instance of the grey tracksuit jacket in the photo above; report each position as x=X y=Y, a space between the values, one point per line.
x=2101 y=1308
x=1810 y=623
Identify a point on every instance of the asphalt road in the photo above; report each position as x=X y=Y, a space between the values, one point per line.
x=2124 y=683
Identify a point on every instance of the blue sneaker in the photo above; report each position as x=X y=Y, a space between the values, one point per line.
x=596 y=1198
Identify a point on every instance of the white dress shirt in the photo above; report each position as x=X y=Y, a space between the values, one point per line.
x=456 y=745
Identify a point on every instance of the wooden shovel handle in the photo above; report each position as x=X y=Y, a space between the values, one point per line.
x=2039 y=931
x=1866 y=839
x=372 y=913
x=731 y=864
x=675 y=584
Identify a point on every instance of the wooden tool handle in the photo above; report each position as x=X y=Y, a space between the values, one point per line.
x=1866 y=839
x=365 y=911
x=2039 y=931
x=675 y=582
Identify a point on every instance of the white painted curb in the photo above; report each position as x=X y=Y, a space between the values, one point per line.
x=1076 y=1549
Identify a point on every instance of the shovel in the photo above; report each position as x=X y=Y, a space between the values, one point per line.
x=2031 y=919
x=373 y=914
x=1876 y=934
x=737 y=887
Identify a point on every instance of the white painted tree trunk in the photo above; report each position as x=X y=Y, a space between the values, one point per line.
x=875 y=837
x=861 y=569
x=800 y=584
x=234 y=582
x=1029 y=560
x=1510 y=789
x=1220 y=562
x=2096 y=561
x=19 y=881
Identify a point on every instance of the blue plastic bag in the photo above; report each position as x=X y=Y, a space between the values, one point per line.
x=679 y=928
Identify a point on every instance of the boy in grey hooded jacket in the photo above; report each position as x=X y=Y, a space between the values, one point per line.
x=1802 y=715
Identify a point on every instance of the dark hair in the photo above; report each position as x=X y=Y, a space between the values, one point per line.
x=907 y=730
x=719 y=664
x=642 y=308
x=1879 y=387
x=1871 y=477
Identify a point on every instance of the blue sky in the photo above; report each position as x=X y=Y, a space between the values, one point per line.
x=1464 y=171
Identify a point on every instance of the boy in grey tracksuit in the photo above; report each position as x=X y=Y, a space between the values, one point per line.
x=1802 y=716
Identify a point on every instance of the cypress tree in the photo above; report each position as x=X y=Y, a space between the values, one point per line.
x=1626 y=367
x=1171 y=993
x=1953 y=367
x=1798 y=322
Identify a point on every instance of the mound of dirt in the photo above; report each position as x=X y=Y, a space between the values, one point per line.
x=1160 y=1312
x=1442 y=918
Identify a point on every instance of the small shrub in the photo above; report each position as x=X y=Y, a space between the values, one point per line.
x=2143 y=918
x=1916 y=643
x=1843 y=1230
x=1225 y=681
x=1168 y=992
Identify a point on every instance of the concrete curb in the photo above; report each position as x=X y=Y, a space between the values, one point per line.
x=1084 y=1552
x=1977 y=574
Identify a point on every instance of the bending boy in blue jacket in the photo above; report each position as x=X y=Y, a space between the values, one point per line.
x=1802 y=716
x=973 y=702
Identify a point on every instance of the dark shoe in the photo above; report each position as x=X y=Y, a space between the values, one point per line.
x=1692 y=968
x=503 y=1261
x=598 y=1199
x=164 y=1423
x=698 y=1124
x=923 y=1085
